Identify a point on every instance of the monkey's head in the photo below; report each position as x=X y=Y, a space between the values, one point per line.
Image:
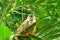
x=31 y=18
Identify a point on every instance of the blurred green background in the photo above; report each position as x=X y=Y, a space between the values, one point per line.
x=14 y=12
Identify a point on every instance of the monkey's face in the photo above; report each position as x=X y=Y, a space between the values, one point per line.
x=31 y=18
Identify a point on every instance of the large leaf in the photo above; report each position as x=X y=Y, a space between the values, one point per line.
x=4 y=32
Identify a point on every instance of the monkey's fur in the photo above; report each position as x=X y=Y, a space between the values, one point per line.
x=30 y=20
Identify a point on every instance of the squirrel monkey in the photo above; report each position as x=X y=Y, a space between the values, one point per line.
x=29 y=21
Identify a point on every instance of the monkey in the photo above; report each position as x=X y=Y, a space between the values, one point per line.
x=29 y=21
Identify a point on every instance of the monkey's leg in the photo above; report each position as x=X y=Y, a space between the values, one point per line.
x=30 y=32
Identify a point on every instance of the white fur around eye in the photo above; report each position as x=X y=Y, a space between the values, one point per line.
x=29 y=19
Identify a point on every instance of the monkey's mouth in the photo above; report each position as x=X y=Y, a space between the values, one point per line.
x=31 y=20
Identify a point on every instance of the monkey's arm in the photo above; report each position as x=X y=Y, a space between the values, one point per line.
x=21 y=28
x=30 y=30
x=31 y=26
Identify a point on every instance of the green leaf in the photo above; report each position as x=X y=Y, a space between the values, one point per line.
x=4 y=32
x=56 y=37
x=52 y=33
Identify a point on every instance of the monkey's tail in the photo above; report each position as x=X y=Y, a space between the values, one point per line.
x=11 y=37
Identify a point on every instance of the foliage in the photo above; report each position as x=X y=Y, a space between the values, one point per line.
x=4 y=31
x=47 y=12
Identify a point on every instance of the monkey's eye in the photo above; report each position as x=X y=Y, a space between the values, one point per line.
x=31 y=15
